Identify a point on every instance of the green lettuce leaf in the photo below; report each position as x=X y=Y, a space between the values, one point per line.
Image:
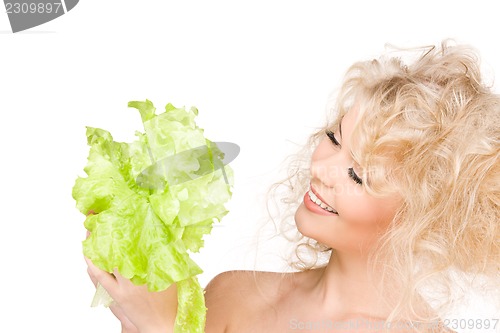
x=147 y=232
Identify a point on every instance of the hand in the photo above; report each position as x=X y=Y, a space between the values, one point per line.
x=127 y=326
x=138 y=309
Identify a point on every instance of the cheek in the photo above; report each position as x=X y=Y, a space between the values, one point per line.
x=367 y=214
x=362 y=222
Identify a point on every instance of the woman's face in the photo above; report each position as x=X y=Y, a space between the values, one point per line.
x=337 y=211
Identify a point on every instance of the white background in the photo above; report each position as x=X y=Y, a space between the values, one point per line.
x=260 y=73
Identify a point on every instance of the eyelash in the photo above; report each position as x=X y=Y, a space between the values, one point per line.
x=354 y=176
x=350 y=171
x=332 y=138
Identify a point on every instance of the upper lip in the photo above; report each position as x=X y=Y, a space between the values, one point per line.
x=320 y=197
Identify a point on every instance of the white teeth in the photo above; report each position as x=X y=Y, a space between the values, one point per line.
x=320 y=203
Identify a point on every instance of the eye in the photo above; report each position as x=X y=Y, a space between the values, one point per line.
x=354 y=176
x=332 y=138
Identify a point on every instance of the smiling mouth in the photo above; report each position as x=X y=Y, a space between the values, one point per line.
x=320 y=203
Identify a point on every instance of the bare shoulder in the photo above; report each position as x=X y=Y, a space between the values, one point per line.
x=243 y=296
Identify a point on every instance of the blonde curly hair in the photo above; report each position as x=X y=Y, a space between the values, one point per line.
x=428 y=130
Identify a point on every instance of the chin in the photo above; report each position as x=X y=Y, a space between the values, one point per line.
x=300 y=220
x=312 y=225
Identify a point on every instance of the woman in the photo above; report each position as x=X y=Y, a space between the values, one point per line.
x=403 y=190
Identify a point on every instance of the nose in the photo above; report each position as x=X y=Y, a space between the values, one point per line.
x=326 y=173
x=327 y=165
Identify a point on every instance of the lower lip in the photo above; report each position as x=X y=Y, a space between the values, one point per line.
x=311 y=206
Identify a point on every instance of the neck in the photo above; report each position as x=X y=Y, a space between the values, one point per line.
x=347 y=288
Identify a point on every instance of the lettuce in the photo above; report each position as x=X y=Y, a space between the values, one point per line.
x=154 y=199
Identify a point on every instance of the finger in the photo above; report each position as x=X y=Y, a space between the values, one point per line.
x=120 y=277
x=127 y=325
x=106 y=279
x=89 y=213
x=92 y=277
